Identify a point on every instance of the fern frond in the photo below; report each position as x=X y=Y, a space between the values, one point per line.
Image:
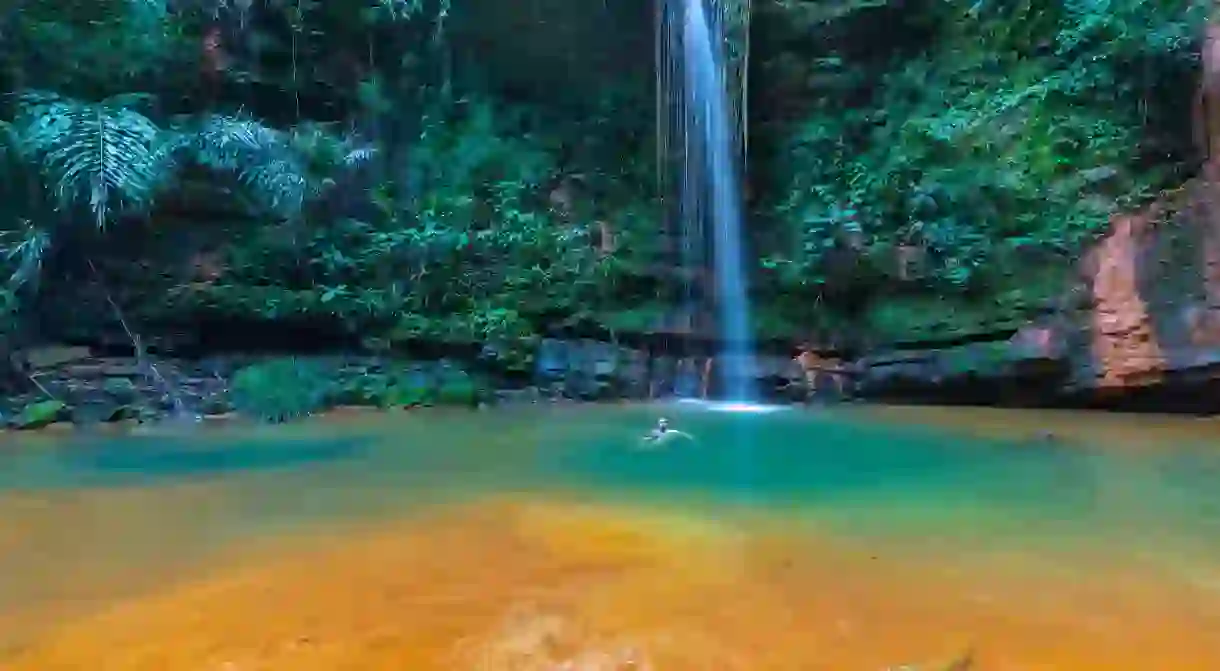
x=24 y=250
x=328 y=150
x=260 y=157
x=101 y=153
x=399 y=10
x=225 y=138
x=284 y=170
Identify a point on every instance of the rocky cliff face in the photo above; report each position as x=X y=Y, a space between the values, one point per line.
x=1139 y=326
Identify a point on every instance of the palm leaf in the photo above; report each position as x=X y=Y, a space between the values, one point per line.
x=103 y=154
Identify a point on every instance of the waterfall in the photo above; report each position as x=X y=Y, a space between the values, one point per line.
x=701 y=47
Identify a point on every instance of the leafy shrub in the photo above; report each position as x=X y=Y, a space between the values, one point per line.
x=402 y=386
x=457 y=388
x=282 y=389
x=408 y=385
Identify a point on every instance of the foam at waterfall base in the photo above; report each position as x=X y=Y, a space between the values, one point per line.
x=742 y=407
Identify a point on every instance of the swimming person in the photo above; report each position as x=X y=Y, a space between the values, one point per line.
x=663 y=434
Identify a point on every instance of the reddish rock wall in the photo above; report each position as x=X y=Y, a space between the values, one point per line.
x=1155 y=287
x=1124 y=341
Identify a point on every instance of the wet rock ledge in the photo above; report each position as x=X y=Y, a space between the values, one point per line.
x=66 y=386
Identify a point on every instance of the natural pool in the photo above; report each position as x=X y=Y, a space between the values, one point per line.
x=529 y=538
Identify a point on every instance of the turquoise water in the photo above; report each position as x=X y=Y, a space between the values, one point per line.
x=876 y=479
x=92 y=520
x=849 y=472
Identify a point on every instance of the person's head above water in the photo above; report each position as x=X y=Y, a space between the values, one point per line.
x=662 y=432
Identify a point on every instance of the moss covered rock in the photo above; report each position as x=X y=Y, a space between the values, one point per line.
x=39 y=414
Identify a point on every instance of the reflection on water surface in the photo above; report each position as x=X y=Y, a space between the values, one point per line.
x=529 y=539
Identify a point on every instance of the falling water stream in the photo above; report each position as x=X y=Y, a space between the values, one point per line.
x=707 y=92
x=695 y=52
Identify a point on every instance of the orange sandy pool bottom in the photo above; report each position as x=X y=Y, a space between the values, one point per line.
x=520 y=585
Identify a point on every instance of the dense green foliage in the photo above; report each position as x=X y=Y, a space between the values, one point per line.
x=362 y=167
x=412 y=204
x=991 y=140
